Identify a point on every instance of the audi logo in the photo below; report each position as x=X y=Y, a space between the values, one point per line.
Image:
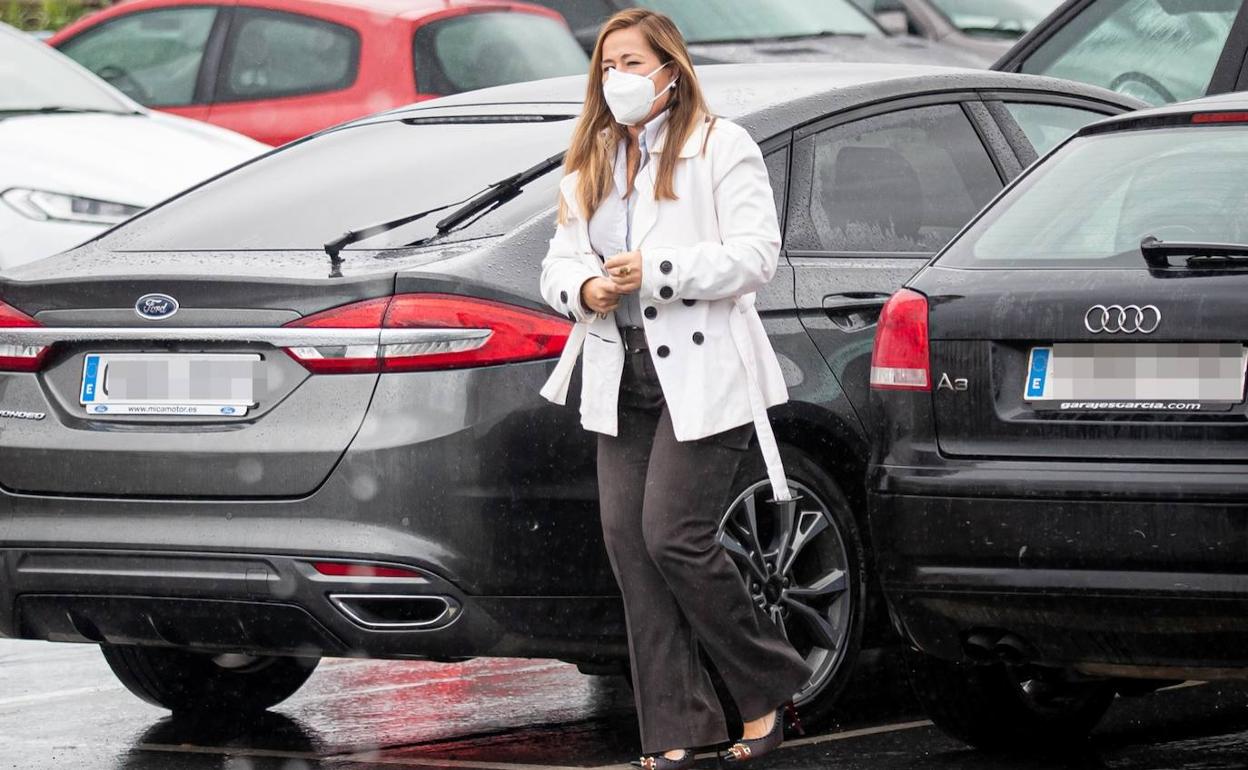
x=1127 y=319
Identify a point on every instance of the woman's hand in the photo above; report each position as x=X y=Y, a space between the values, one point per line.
x=600 y=295
x=625 y=271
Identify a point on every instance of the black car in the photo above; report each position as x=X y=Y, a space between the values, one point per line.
x=1059 y=485
x=745 y=31
x=1157 y=50
x=227 y=449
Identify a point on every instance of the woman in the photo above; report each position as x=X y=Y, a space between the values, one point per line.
x=667 y=226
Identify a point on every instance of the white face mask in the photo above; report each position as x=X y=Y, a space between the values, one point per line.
x=629 y=96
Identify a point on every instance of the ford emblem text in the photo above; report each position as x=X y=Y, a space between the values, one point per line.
x=156 y=306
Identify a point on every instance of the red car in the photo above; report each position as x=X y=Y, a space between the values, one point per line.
x=277 y=70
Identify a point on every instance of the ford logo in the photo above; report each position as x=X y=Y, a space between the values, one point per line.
x=228 y=410
x=156 y=306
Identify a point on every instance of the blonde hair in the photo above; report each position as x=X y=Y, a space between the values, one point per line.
x=597 y=134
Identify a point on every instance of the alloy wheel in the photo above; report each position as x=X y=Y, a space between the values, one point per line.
x=795 y=564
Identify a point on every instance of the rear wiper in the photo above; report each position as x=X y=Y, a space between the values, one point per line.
x=493 y=194
x=1157 y=252
x=496 y=194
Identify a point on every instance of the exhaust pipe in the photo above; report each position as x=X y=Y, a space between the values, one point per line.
x=395 y=612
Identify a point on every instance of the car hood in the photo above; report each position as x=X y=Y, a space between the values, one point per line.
x=837 y=48
x=139 y=159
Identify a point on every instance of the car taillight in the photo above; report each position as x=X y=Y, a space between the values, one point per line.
x=421 y=332
x=16 y=357
x=901 y=358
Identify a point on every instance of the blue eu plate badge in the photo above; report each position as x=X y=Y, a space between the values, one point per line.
x=1038 y=373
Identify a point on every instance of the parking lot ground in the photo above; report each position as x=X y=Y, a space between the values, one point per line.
x=61 y=708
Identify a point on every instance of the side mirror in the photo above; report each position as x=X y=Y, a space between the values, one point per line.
x=894 y=22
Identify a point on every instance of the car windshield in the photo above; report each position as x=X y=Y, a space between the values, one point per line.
x=1093 y=201
x=733 y=20
x=1007 y=19
x=313 y=191
x=34 y=77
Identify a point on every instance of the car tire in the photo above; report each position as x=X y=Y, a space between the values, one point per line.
x=837 y=546
x=184 y=681
x=996 y=708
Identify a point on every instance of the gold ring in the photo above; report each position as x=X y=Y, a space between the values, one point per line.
x=625 y=270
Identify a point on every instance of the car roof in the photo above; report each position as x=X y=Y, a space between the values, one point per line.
x=768 y=97
x=408 y=9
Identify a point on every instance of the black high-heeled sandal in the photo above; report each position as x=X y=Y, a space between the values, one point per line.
x=748 y=749
x=660 y=762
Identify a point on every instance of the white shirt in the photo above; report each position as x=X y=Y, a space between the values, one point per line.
x=610 y=228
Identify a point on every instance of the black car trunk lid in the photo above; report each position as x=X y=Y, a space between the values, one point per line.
x=1089 y=364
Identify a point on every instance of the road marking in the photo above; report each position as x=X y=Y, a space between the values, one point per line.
x=21 y=700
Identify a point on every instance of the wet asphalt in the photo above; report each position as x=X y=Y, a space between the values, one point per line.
x=61 y=708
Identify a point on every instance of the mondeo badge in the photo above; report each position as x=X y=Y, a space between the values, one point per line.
x=1125 y=319
x=156 y=306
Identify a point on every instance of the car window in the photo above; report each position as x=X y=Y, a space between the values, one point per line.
x=151 y=56
x=905 y=181
x=999 y=19
x=272 y=54
x=313 y=191
x=478 y=50
x=1048 y=125
x=751 y=20
x=1156 y=50
x=1093 y=201
x=36 y=77
x=582 y=14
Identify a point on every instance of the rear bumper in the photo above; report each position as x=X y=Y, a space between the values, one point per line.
x=1098 y=581
x=279 y=604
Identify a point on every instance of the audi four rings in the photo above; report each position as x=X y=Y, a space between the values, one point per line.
x=1128 y=319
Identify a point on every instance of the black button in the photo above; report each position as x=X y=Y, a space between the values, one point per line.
x=697 y=338
x=663 y=351
x=571 y=316
x=563 y=297
x=665 y=267
x=651 y=311
x=666 y=292
x=689 y=302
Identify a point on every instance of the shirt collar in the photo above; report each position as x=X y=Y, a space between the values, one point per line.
x=650 y=131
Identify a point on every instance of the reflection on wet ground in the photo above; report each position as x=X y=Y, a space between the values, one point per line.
x=61 y=708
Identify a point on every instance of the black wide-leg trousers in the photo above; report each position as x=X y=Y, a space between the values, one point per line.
x=661 y=500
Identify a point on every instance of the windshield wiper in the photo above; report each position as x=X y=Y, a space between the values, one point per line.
x=1157 y=252
x=494 y=194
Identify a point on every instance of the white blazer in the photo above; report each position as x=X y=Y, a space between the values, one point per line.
x=703 y=257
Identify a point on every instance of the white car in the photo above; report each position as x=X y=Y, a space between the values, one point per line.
x=77 y=156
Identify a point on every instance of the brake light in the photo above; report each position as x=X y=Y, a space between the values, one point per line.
x=1220 y=117
x=15 y=357
x=423 y=332
x=901 y=357
x=347 y=569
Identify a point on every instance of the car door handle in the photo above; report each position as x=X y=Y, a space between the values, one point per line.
x=855 y=310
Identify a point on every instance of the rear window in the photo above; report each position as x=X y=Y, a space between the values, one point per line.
x=1093 y=201
x=310 y=192
x=479 y=50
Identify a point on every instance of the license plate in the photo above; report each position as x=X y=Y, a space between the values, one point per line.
x=192 y=384
x=1136 y=376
